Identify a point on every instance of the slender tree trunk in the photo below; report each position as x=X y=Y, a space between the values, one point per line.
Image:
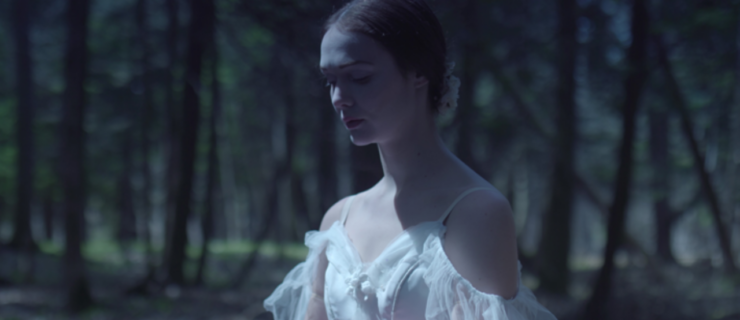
x=633 y=87
x=300 y=203
x=48 y=208
x=73 y=153
x=146 y=114
x=207 y=223
x=327 y=164
x=687 y=128
x=290 y=148
x=466 y=114
x=366 y=167
x=22 y=237
x=126 y=215
x=733 y=171
x=660 y=166
x=268 y=225
x=554 y=247
x=200 y=31
x=173 y=118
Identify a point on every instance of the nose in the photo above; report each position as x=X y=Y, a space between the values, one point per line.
x=340 y=97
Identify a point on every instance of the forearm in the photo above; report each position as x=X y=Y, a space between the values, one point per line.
x=316 y=309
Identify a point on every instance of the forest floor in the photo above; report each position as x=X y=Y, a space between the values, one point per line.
x=641 y=291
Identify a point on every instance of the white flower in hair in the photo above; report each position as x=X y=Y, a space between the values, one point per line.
x=448 y=102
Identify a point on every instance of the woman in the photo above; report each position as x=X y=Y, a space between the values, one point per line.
x=432 y=239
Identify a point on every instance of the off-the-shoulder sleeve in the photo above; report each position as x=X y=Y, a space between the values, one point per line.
x=290 y=299
x=450 y=293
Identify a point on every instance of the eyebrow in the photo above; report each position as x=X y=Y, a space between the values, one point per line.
x=347 y=64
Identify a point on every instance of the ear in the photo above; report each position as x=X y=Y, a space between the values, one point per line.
x=420 y=80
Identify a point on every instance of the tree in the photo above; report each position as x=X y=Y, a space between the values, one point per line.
x=207 y=222
x=327 y=162
x=699 y=160
x=73 y=153
x=173 y=119
x=126 y=212
x=22 y=238
x=659 y=157
x=366 y=167
x=633 y=87
x=554 y=247
x=145 y=115
x=201 y=25
x=467 y=115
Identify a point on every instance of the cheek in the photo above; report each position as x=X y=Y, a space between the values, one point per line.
x=384 y=96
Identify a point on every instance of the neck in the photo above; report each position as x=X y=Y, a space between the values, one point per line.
x=411 y=158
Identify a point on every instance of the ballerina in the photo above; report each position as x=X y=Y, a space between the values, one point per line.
x=432 y=239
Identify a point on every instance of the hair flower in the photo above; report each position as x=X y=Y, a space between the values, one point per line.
x=448 y=102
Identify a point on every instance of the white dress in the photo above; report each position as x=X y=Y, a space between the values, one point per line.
x=411 y=279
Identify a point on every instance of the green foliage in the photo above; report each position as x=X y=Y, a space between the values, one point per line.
x=716 y=18
x=485 y=91
x=704 y=217
x=257 y=41
x=50 y=247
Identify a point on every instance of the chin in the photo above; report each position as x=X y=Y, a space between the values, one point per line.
x=359 y=139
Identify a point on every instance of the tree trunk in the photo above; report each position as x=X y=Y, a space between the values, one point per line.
x=300 y=204
x=733 y=171
x=660 y=187
x=207 y=223
x=366 y=167
x=173 y=118
x=48 y=209
x=466 y=113
x=554 y=247
x=73 y=154
x=327 y=164
x=291 y=132
x=633 y=87
x=268 y=225
x=706 y=184
x=22 y=238
x=126 y=216
x=145 y=115
x=201 y=24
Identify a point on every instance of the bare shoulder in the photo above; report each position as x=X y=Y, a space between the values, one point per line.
x=480 y=242
x=333 y=214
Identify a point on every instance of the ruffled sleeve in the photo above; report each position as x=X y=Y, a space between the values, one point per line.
x=450 y=293
x=290 y=299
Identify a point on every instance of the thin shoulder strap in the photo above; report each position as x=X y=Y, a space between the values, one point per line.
x=460 y=197
x=345 y=208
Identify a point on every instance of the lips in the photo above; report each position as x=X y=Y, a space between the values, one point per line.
x=351 y=123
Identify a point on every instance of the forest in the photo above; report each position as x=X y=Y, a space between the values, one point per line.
x=163 y=159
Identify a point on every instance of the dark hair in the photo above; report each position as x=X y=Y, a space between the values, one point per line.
x=408 y=29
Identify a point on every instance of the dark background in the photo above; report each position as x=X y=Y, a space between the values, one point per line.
x=163 y=159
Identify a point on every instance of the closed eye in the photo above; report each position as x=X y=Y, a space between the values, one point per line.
x=328 y=82
x=362 y=80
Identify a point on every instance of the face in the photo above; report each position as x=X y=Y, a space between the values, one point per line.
x=368 y=91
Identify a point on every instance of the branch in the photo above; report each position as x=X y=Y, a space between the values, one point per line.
x=679 y=103
x=524 y=110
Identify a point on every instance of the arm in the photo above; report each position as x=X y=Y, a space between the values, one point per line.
x=316 y=309
x=481 y=245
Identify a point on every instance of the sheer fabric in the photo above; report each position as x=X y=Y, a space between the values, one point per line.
x=411 y=279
